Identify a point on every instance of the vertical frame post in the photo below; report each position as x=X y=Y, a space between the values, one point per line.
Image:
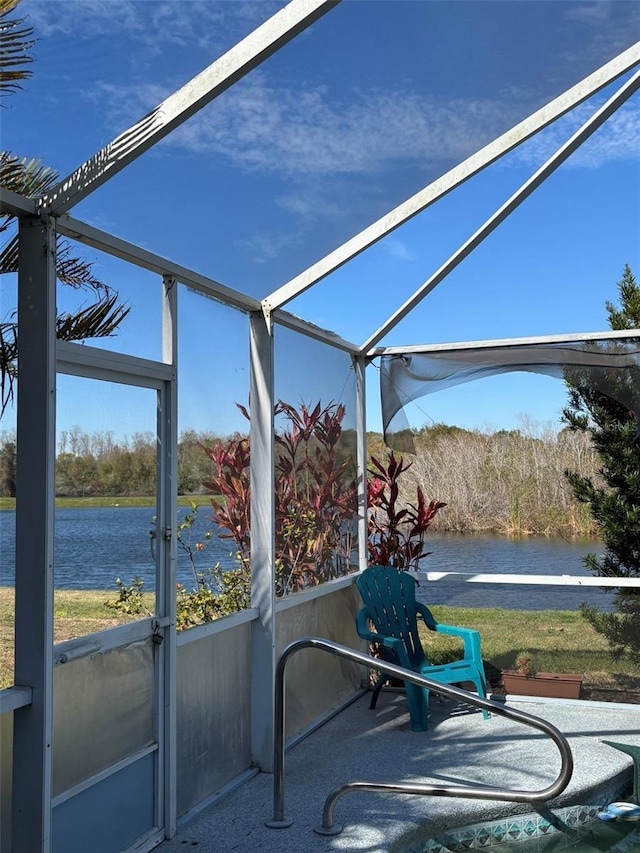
x=359 y=365
x=263 y=641
x=167 y=549
x=35 y=505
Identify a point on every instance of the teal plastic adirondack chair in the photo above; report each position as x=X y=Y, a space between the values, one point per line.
x=389 y=597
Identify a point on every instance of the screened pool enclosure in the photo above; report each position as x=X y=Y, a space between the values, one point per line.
x=110 y=738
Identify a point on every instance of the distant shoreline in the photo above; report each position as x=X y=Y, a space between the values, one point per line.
x=114 y=501
x=147 y=501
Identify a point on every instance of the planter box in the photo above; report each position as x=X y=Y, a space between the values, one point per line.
x=551 y=684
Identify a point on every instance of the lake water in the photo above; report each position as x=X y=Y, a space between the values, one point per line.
x=501 y=555
x=94 y=546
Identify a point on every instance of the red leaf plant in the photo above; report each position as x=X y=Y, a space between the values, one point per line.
x=396 y=533
x=316 y=499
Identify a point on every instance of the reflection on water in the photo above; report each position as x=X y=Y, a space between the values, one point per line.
x=95 y=546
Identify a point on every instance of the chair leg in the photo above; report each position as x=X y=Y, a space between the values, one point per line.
x=482 y=691
x=418 y=699
x=376 y=692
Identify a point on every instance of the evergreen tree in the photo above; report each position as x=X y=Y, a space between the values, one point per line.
x=615 y=501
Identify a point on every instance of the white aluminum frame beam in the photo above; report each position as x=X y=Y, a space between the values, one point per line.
x=12 y=698
x=16 y=205
x=80 y=231
x=536 y=580
x=263 y=523
x=35 y=496
x=88 y=235
x=359 y=365
x=547 y=169
x=167 y=545
x=76 y=359
x=185 y=102
x=518 y=134
x=297 y=324
x=574 y=337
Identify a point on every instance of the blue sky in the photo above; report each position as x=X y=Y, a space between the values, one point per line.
x=372 y=103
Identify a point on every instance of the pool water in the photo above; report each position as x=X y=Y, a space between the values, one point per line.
x=613 y=837
x=573 y=828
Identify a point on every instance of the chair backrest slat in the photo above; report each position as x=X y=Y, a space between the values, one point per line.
x=389 y=596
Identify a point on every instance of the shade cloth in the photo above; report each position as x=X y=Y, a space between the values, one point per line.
x=610 y=366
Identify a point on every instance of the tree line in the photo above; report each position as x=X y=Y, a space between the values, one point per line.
x=509 y=482
x=100 y=465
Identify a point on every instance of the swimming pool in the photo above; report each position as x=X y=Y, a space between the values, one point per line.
x=573 y=828
x=596 y=836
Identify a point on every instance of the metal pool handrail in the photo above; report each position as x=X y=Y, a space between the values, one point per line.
x=478 y=792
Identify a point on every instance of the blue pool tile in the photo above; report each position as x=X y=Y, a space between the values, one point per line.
x=483 y=837
x=466 y=839
x=544 y=827
x=498 y=831
x=514 y=830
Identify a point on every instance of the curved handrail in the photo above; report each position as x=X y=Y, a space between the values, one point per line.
x=479 y=792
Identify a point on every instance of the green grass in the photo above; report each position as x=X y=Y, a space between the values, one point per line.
x=114 y=500
x=77 y=613
x=558 y=640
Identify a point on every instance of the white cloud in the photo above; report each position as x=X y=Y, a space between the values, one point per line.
x=309 y=132
x=150 y=23
x=313 y=132
x=398 y=249
x=262 y=127
x=266 y=246
x=311 y=203
x=606 y=24
x=617 y=140
x=610 y=19
x=593 y=14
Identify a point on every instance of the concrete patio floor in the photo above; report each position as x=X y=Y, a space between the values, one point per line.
x=459 y=748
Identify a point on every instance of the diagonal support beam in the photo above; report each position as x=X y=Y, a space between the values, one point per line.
x=181 y=105
x=443 y=185
x=548 y=168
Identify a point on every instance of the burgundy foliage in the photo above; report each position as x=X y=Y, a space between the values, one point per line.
x=396 y=533
x=316 y=500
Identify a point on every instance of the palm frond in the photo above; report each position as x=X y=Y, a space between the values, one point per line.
x=8 y=355
x=30 y=178
x=16 y=42
x=26 y=176
x=9 y=256
x=76 y=272
x=98 y=320
x=7 y=6
x=70 y=269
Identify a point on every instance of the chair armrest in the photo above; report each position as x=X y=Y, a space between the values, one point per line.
x=392 y=643
x=470 y=638
x=388 y=642
x=427 y=615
